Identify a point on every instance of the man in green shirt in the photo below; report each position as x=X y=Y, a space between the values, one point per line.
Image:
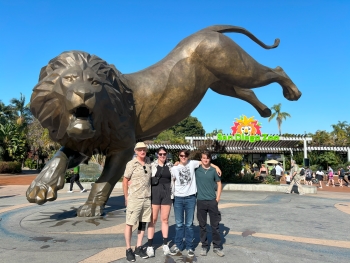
x=75 y=178
x=207 y=203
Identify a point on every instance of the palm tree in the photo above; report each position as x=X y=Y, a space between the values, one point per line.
x=280 y=116
x=21 y=110
x=340 y=132
x=6 y=113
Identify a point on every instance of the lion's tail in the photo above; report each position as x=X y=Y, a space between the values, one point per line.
x=236 y=29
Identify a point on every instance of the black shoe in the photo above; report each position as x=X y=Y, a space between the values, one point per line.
x=130 y=256
x=140 y=252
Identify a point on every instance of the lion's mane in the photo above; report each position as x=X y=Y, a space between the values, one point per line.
x=113 y=121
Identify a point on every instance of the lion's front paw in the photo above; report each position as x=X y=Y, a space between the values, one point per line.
x=45 y=186
x=41 y=193
x=89 y=210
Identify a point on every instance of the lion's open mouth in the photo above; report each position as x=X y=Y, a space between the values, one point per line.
x=81 y=124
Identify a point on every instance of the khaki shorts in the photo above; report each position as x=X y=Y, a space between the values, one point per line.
x=138 y=210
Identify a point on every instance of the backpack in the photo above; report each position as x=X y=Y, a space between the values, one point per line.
x=302 y=171
x=273 y=171
x=342 y=172
x=308 y=174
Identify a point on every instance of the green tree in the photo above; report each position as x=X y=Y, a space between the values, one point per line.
x=21 y=111
x=6 y=113
x=214 y=132
x=328 y=158
x=12 y=142
x=190 y=126
x=321 y=138
x=339 y=133
x=280 y=116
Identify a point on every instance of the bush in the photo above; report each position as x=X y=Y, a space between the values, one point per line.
x=229 y=168
x=10 y=167
x=30 y=163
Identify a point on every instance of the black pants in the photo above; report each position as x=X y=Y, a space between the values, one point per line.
x=75 y=178
x=210 y=207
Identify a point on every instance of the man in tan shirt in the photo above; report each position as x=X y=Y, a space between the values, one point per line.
x=295 y=179
x=137 y=199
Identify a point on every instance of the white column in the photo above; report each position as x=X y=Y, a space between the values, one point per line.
x=305 y=149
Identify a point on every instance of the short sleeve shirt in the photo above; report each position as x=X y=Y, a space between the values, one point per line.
x=140 y=186
x=185 y=179
x=279 y=170
x=206 y=182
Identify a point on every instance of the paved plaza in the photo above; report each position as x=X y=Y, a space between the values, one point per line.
x=256 y=227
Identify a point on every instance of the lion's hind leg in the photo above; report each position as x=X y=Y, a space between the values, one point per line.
x=243 y=94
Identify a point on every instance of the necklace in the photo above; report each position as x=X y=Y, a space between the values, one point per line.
x=206 y=170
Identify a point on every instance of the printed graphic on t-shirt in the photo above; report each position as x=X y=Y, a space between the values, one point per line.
x=184 y=176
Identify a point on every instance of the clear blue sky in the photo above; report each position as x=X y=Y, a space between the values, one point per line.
x=314 y=49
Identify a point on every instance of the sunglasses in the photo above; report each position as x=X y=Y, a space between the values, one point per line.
x=141 y=150
x=144 y=169
x=183 y=156
x=162 y=154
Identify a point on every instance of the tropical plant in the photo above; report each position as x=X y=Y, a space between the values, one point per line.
x=280 y=116
x=13 y=142
x=6 y=113
x=21 y=111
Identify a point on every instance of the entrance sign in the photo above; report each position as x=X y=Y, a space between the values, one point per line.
x=247 y=129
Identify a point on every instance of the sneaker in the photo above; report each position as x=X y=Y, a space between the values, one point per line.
x=204 y=251
x=219 y=252
x=140 y=252
x=327 y=185
x=83 y=191
x=130 y=256
x=190 y=253
x=150 y=252
x=69 y=191
x=174 y=251
x=166 y=249
x=286 y=192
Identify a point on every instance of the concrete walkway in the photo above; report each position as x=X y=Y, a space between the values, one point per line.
x=255 y=227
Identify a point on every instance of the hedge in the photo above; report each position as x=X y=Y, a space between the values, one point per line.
x=10 y=167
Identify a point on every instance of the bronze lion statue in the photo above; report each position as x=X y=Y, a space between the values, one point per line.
x=88 y=106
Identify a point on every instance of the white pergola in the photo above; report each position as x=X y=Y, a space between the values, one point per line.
x=290 y=144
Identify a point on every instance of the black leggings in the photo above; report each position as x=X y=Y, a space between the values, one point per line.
x=75 y=178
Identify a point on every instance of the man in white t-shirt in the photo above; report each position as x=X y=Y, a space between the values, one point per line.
x=279 y=172
x=185 y=201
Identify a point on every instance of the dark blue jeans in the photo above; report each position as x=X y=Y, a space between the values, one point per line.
x=184 y=211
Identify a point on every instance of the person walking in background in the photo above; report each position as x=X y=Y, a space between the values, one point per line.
x=137 y=199
x=330 y=176
x=76 y=178
x=319 y=176
x=294 y=172
x=207 y=203
x=341 y=174
x=308 y=176
x=162 y=195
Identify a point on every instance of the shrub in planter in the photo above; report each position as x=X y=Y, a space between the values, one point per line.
x=10 y=167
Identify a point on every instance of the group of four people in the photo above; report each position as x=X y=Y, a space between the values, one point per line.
x=182 y=185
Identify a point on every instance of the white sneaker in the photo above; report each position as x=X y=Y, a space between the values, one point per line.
x=69 y=191
x=83 y=191
x=166 y=250
x=150 y=252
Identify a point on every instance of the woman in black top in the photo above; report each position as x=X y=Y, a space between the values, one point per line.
x=162 y=195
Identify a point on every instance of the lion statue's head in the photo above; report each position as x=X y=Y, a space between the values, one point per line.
x=81 y=100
